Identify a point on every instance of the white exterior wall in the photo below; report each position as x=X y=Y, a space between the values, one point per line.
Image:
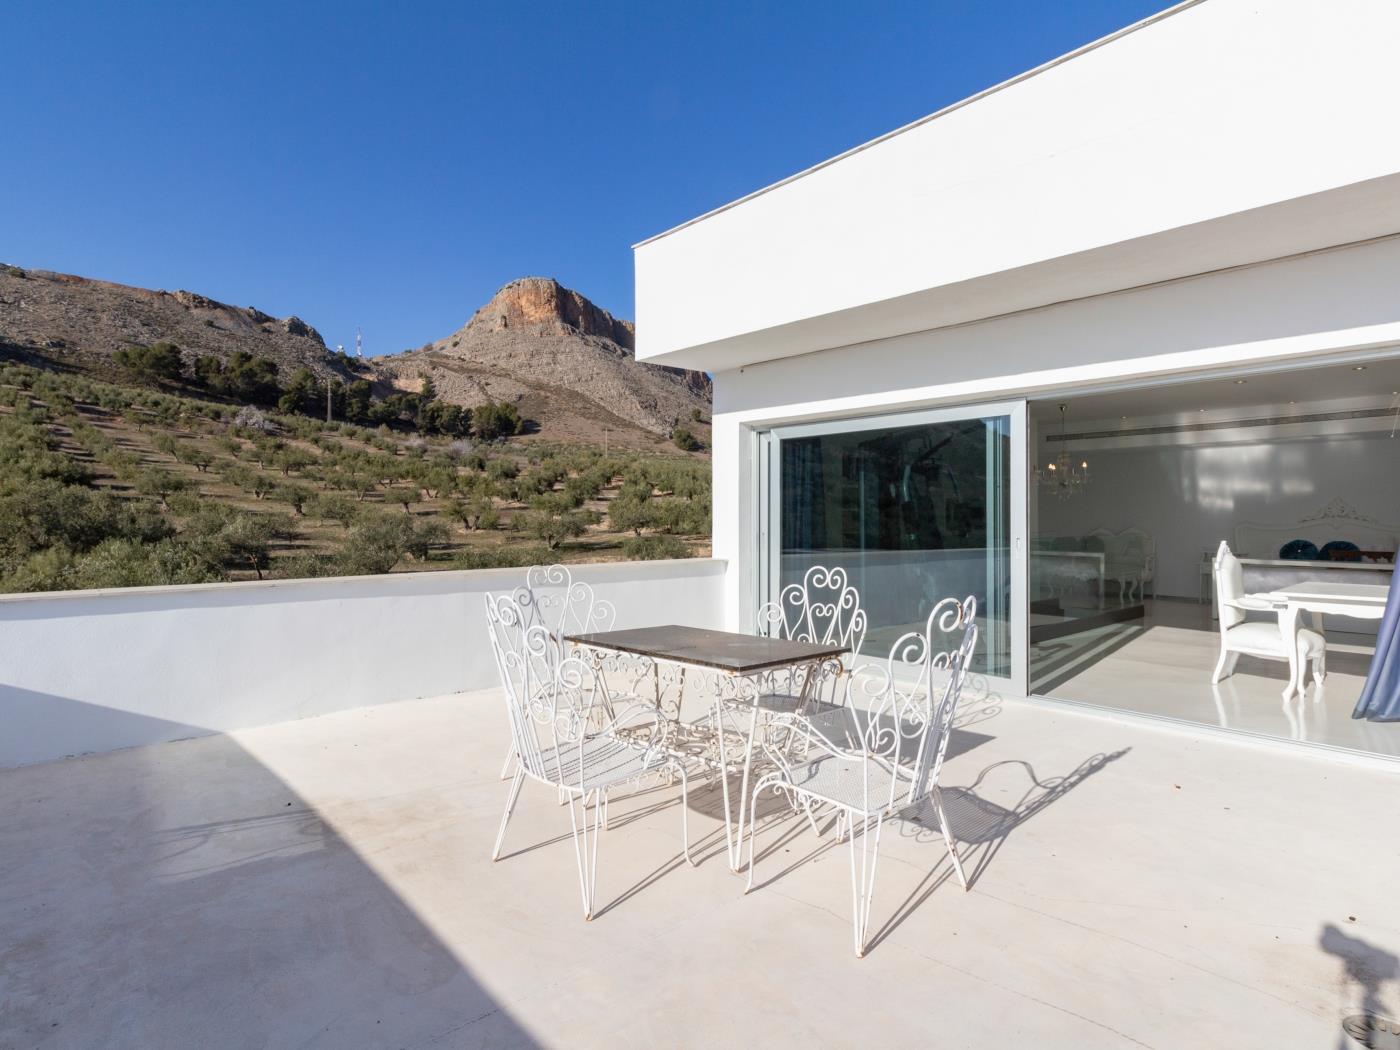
x=90 y=671
x=1307 y=309
x=1225 y=133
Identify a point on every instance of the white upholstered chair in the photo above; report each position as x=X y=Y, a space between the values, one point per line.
x=1262 y=638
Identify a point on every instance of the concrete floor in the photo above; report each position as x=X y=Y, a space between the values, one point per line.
x=325 y=883
x=1161 y=664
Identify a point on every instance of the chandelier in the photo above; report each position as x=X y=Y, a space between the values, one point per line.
x=1062 y=477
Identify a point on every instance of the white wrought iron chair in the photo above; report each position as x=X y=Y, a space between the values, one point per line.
x=900 y=730
x=552 y=705
x=1264 y=639
x=823 y=608
x=552 y=598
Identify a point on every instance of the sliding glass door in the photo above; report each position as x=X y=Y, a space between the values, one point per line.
x=916 y=507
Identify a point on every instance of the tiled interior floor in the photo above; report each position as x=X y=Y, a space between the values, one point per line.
x=1161 y=665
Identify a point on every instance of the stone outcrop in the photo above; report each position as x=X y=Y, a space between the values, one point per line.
x=294 y=325
x=551 y=350
x=543 y=302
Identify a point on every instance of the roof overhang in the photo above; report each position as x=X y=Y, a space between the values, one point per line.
x=1222 y=136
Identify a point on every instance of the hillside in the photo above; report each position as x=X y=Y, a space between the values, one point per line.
x=567 y=364
x=82 y=323
x=106 y=485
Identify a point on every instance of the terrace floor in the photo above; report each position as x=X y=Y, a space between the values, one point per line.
x=325 y=883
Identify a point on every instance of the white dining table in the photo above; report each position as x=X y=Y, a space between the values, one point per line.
x=1365 y=601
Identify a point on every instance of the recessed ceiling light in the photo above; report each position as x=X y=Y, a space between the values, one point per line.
x=1241 y=382
x=1358 y=368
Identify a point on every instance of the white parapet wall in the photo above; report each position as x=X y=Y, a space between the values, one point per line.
x=93 y=671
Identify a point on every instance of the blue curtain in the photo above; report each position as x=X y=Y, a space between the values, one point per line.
x=1380 y=696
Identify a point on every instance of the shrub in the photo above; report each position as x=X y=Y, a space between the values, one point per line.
x=501 y=557
x=424 y=536
x=159 y=362
x=652 y=548
x=684 y=440
x=496 y=419
x=685 y=517
x=303 y=567
x=243 y=377
x=233 y=538
x=374 y=545
x=293 y=495
x=335 y=508
x=475 y=513
x=630 y=512
x=550 y=527
x=113 y=563
x=501 y=469
x=40 y=515
x=160 y=484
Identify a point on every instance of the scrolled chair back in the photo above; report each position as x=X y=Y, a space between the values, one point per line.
x=546 y=695
x=910 y=699
x=564 y=606
x=824 y=607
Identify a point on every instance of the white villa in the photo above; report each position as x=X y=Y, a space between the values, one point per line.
x=1061 y=340
x=1113 y=347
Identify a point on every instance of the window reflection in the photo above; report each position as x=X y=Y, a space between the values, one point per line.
x=914 y=514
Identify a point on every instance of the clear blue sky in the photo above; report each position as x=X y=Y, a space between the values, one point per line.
x=391 y=165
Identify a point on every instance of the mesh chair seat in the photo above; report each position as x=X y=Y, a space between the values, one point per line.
x=606 y=760
x=848 y=782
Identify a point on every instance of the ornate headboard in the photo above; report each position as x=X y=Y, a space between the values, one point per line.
x=1338 y=520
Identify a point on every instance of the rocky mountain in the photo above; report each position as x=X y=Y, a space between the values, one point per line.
x=82 y=322
x=566 y=363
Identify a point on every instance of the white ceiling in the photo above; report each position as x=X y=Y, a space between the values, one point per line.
x=1227 y=398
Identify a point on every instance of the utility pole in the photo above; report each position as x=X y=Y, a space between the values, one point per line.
x=328 y=400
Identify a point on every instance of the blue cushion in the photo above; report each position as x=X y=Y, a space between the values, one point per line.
x=1298 y=550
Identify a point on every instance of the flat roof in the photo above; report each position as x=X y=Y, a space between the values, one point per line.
x=1085 y=49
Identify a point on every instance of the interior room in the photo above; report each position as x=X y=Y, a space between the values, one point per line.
x=1133 y=493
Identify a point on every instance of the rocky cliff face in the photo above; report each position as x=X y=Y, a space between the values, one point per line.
x=84 y=322
x=543 y=302
x=556 y=355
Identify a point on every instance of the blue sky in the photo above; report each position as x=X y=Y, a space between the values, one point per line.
x=391 y=165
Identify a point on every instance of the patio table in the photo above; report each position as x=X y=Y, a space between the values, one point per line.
x=738 y=667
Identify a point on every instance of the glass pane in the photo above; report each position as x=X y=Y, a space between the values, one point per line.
x=914 y=514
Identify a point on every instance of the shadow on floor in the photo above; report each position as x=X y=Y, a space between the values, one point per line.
x=1366 y=969
x=184 y=895
x=981 y=823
